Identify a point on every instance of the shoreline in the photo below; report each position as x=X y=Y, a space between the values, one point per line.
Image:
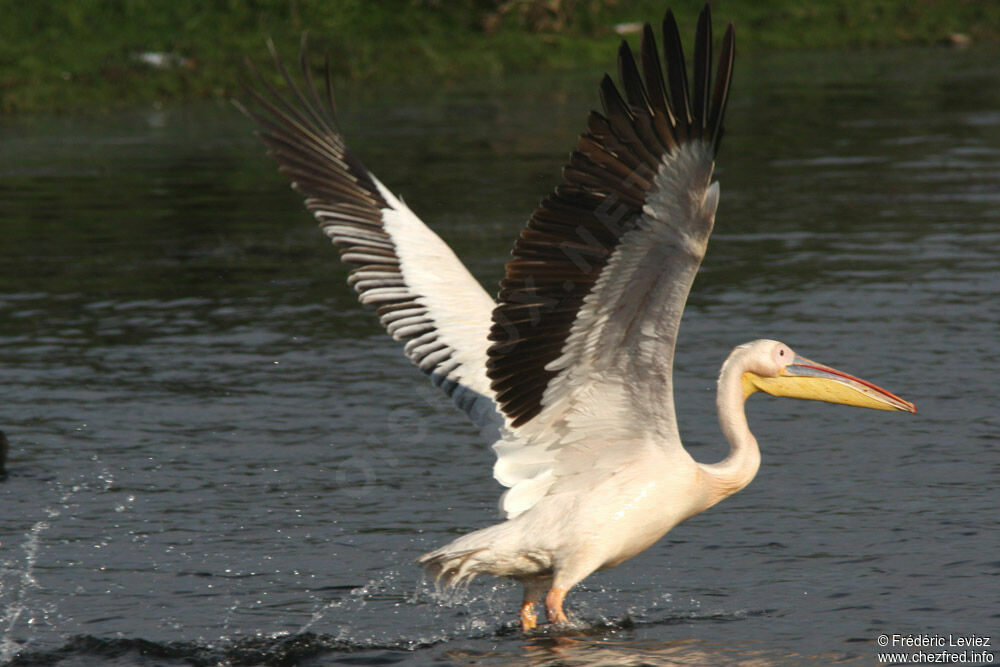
x=103 y=57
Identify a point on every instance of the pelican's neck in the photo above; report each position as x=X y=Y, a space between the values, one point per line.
x=736 y=470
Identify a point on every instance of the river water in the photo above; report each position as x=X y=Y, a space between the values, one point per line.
x=218 y=458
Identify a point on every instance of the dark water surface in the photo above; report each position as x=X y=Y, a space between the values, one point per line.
x=217 y=457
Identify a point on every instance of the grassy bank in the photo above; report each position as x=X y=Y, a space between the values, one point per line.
x=70 y=54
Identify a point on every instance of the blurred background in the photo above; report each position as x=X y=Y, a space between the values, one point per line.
x=102 y=53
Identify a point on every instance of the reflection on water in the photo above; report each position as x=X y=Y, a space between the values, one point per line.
x=217 y=457
x=576 y=652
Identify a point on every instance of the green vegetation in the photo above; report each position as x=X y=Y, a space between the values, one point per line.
x=71 y=54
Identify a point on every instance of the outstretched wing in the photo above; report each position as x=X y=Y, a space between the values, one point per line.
x=423 y=293
x=584 y=331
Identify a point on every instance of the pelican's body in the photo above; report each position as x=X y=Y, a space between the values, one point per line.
x=619 y=516
x=569 y=371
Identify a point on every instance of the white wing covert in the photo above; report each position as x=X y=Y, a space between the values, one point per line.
x=587 y=317
x=423 y=293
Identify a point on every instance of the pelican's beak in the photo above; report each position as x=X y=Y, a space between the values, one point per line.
x=806 y=379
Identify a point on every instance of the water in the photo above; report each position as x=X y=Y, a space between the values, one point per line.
x=217 y=457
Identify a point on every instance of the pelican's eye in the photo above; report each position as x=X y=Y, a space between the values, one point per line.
x=783 y=355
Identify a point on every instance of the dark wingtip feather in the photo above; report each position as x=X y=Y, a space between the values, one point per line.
x=723 y=80
x=702 y=71
x=628 y=73
x=653 y=73
x=663 y=117
x=676 y=72
x=612 y=100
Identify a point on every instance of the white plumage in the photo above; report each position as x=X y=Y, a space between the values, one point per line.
x=569 y=372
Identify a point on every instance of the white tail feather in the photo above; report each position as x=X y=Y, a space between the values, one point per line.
x=494 y=550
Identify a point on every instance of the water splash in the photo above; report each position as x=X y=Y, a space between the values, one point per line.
x=474 y=612
x=18 y=580
x=24 y=580
x=355 y=600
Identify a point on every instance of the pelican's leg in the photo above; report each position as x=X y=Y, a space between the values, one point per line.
x=533 y=591
x=554 y=606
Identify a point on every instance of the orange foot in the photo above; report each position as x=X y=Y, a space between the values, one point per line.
x=529 y=621
x=554 y=606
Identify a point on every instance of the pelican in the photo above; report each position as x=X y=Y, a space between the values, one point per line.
x=569 y=371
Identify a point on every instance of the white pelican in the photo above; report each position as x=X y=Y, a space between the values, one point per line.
x=569 y=370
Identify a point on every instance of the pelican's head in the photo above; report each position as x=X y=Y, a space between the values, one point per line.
x=773 y=368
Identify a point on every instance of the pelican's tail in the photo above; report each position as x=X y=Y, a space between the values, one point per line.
x=492 y=550
x=452 y=568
